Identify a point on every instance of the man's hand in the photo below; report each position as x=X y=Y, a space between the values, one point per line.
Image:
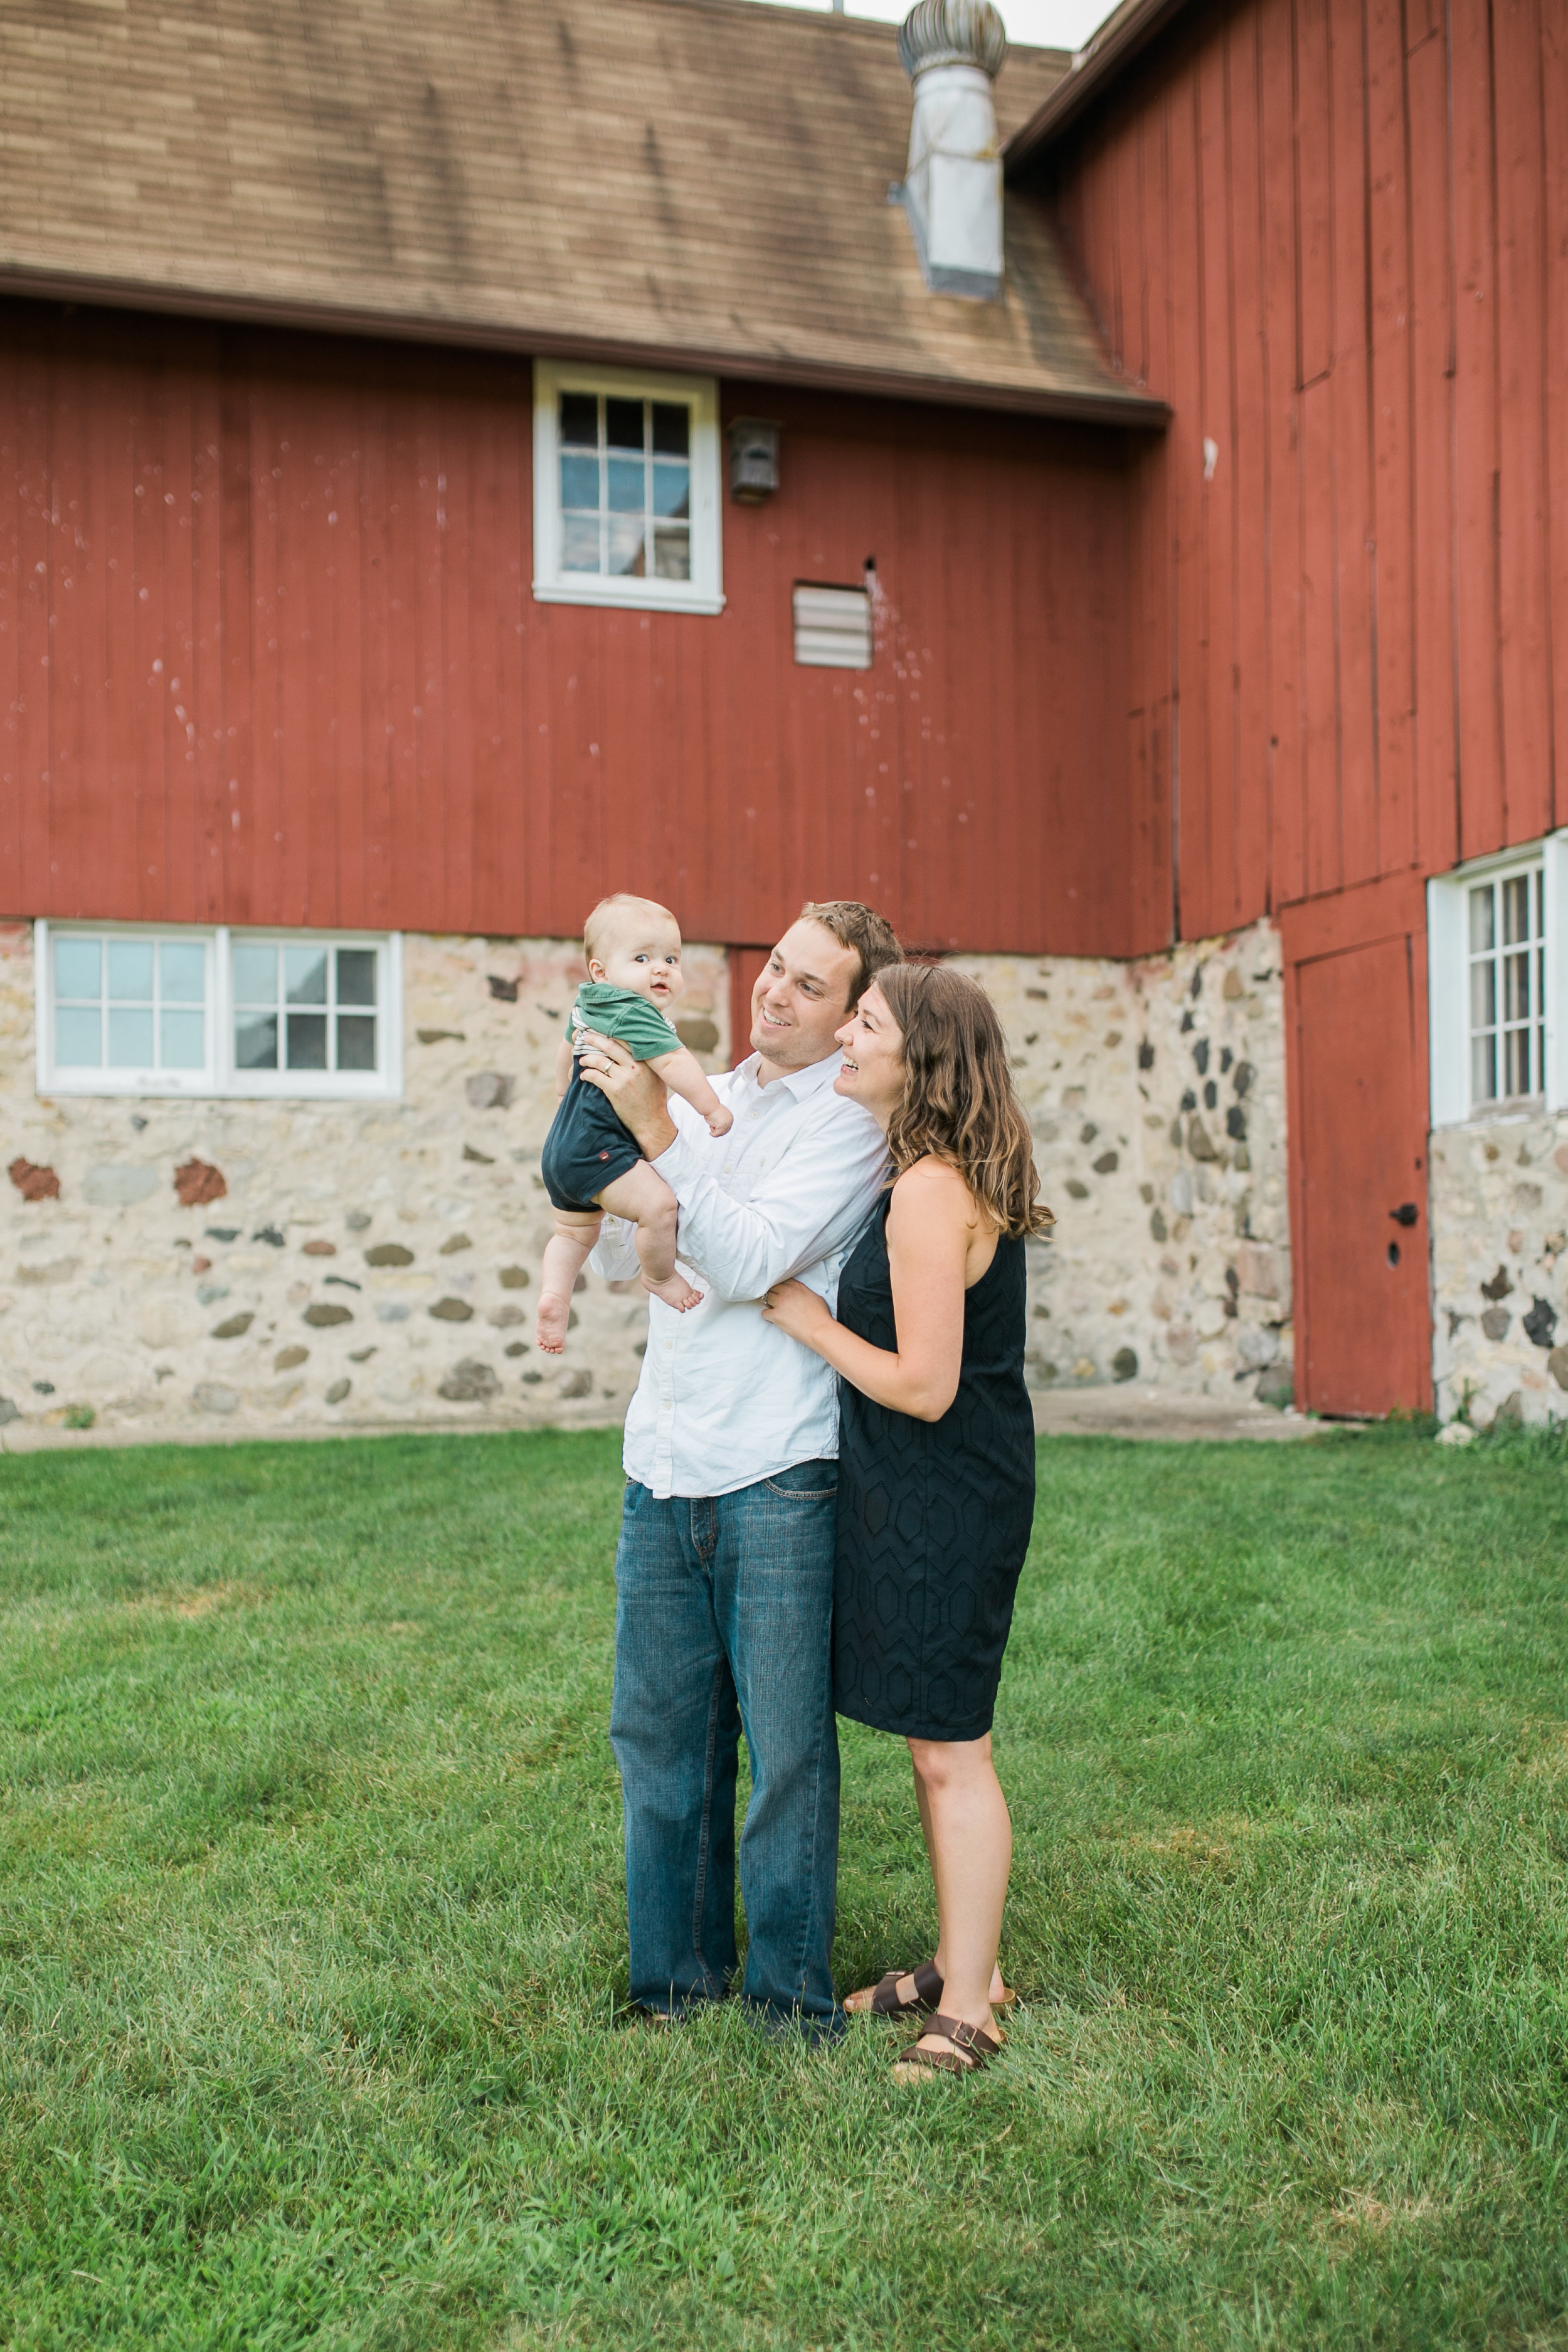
x=638 y=1095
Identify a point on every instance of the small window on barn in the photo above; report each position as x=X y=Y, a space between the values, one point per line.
x=832 y=626
x=126 y=1011
x=625 y=495
x=1498 y=957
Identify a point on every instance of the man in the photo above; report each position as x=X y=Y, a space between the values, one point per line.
x=724 y=1570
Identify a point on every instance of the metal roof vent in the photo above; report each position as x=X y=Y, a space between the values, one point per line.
x=952 y=51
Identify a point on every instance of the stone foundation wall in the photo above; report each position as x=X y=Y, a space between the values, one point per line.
x=178 y=1269
x=1499 y=1258
x=1156 y=1091
x=349 y=1263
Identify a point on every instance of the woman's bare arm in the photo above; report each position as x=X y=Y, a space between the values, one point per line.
x=931 y=1224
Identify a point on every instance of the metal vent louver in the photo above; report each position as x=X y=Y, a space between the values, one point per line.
x=833 y=627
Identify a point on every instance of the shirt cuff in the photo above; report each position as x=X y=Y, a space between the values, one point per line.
x=678 y=1165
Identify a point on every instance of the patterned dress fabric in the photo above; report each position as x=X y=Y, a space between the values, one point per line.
x=933 y=1516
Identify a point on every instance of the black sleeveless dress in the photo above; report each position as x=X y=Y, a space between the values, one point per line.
x=933 y=1516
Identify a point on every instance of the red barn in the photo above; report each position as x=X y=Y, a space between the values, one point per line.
x=456 y=466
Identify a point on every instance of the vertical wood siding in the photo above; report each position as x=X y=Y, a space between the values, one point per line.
x=268 y=654
x=1334 y=235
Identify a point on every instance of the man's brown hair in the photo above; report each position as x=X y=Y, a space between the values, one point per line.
x=870 y=936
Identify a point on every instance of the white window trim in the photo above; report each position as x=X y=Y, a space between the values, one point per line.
x=1448 y=968
x=704 y=591
x=219 y=1080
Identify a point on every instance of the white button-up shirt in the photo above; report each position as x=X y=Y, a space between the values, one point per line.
x=725 y=1399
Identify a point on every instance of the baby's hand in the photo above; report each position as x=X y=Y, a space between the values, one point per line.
x=720 y=1121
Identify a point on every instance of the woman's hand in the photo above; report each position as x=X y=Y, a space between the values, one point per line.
x=800 y=1312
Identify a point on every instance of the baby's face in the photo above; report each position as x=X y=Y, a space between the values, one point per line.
x=645 y=957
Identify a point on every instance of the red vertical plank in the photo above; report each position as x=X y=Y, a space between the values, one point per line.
x=1351 y=490
x=1282 y=582
x=13 y=468
x=1554 y=117
x=1218 y=424
x=1390 y=389
x=237 y=774
x=1314 y=155
x=1186 y=394
x=1525 y=607
x=1483 y=786
x=1432 y=332
x=1319 y=681
x=1252 y=586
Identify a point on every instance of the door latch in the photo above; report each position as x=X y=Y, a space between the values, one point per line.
x=1406 y=1215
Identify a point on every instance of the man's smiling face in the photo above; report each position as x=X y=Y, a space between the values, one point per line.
x=802 y=997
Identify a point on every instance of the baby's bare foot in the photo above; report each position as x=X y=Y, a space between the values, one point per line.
x=550 y=1329
x=677 y=1293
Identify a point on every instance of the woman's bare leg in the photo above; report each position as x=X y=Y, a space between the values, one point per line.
x=970 y=1839
x=997 y=1990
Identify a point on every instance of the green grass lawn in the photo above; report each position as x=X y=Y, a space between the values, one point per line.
x=311 y=1943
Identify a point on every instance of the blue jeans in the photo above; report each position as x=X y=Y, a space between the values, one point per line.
x=723 y=1619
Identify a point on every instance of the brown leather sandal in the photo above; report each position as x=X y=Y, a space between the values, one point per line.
x=885 y=2001
x=972 y=2048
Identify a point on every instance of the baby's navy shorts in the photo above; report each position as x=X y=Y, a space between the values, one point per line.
x=586 y=1148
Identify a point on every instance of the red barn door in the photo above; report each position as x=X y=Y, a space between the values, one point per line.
x=1358 y=1148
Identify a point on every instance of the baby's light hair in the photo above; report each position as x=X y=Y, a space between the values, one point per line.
x=605 y=917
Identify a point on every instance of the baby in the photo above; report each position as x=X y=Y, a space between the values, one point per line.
x=591 y=1162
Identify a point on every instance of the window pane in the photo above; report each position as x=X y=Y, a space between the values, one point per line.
x=307 y=1041
x=79 y=1036
x=255 y=1042
x=182 y=1041
x=78 y=964
x=626 y=546
x=1483 y=995
x=580 y=482
x=255 y=979
x=624 y=423
x=305 y=978
x=1516 y=909
x=1516 y=987
x=182 y=971
x=1483 y=1070
x=672 y=429
x=671 y=489
x=1481 y=918
x=130 y=971
x=356 y=975
x=580 y=417
x=356 y=1041
x=130 y=1039
x=671 y=553
x=580 y=543
x=626 y=485
x=1516 y=1061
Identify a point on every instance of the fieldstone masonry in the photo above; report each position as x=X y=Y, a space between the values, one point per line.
x=176 y=1269
x=223 y=1269
x=1499 y=1250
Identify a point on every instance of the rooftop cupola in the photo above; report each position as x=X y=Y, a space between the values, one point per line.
x=952 y=51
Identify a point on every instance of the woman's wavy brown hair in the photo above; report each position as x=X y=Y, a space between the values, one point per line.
x=959 y=1104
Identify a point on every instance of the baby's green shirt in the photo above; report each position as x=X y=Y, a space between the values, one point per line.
x=622 y=1013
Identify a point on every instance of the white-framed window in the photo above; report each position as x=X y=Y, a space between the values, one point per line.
x=1497 y=943
x=627 y=506
x=131 y=1009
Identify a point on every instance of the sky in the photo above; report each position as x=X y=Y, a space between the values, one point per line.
x=1049 y=24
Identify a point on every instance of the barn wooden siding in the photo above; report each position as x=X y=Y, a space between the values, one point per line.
x=1334 y=235
x=268 y=654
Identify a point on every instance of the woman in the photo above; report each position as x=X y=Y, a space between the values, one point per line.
x=936 y=1459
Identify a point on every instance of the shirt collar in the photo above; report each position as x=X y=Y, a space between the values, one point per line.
x=798 y=1084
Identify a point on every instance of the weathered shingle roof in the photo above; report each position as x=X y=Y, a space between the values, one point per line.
x=700 y=180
